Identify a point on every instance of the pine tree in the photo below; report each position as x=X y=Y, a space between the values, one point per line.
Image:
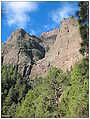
x=83 y=26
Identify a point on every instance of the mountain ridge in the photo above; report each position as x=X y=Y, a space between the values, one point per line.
x=58 y=48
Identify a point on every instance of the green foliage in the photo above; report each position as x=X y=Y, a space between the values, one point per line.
x=59 y=94
x=14 y=89
x=84 y=28
x=84 y=5
x=74 y=102
x=41 y=101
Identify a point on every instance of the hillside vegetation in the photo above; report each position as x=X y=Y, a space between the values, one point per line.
x=59 y=94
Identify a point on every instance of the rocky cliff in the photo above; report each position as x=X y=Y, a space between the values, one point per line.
x=64 y=53
x=49 y=38
x=22 y=50
x=34 y=56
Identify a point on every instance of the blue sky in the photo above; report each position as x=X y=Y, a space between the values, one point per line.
x=34 y=17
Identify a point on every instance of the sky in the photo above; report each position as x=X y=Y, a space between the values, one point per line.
x=34 y=17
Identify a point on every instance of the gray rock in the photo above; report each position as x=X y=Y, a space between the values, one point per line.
x=22 y=49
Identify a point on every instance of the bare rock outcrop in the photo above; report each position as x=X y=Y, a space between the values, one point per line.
x=34 y=56
x=48 y=34
x=49 y=38
x=23 y=50
x=64 y=53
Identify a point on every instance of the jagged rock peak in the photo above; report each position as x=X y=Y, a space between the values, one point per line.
x=66 y=22
x=22 y=49
x=21 y=34
x=18 y=35
x=19 y=31
x=69 y=21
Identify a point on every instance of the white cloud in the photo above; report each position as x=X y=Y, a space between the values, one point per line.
x=18 y=13
x=61 y=13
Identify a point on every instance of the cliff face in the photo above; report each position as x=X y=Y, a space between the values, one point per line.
x=49 y=38
x=59 y=48
x=67 y=45
x=22 y=50
x=64 y=53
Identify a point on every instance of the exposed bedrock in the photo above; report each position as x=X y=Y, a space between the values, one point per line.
x=34 y=56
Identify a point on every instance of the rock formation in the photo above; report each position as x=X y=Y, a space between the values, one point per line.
x=64 y=53
x=23 y=50
x=49 y=38
x=34 y=56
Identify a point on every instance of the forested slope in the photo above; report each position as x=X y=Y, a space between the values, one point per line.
x=59 y=94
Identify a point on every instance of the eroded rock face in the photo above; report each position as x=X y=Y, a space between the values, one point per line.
x=64 y=53
x=66 y=48
x=22 y=49
x=33 y=56
x=48 y=34
x=49 y=38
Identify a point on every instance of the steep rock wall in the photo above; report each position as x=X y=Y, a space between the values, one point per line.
x=28 y=52
x=64 y=53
